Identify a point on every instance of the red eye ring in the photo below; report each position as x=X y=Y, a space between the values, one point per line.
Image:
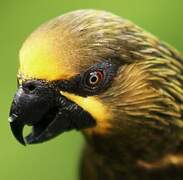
x=94 y=78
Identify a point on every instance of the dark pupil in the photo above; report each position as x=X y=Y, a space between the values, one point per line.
x=31 y=87
x=93 y=79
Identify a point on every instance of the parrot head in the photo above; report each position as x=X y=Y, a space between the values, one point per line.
x=89 y=70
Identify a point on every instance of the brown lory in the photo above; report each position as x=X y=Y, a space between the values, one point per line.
x=120 y=86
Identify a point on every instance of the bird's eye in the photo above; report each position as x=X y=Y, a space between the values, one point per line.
x=93 y=79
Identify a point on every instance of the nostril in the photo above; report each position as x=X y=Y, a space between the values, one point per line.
x=29 y=87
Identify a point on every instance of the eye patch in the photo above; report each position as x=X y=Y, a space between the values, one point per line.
x=93 y=81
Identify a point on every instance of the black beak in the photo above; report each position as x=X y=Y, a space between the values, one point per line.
x=17 y=128
x=39 y=105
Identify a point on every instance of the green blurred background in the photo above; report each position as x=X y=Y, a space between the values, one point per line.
x=59 y=158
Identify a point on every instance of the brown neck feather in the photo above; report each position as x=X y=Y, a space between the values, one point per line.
x=135 y=151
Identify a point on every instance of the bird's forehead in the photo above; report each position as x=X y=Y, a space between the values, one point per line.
x=44 y=57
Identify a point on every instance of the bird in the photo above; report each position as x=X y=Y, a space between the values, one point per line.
x=101 y=74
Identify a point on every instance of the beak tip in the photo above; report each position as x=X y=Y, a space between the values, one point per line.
x=23 y=143
x=17 y=130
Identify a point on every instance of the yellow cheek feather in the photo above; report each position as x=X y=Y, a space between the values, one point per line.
x=94 y=107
